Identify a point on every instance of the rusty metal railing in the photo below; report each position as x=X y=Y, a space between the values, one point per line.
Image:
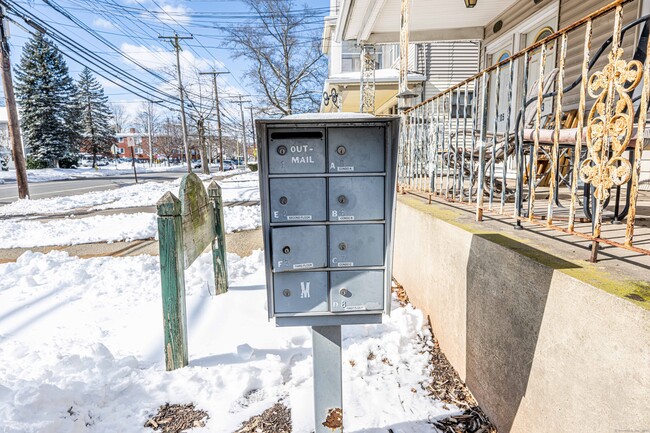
x=502 y=144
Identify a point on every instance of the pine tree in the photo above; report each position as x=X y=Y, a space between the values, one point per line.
x=97 y=134
x=46 y=95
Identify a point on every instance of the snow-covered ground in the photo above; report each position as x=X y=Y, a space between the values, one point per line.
x=21 y=233
x=49 y=174
x=243 y=187
x=81 y=350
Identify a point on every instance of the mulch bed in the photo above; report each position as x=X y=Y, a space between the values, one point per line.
x=176 y=418
x=276 y=419
x=447 y=387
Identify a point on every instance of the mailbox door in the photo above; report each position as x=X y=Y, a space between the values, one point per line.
x=300 y=292
x=297 y=151
x=299 y=247
x=356 y=245
x=356 y=291
x=356 y=198
x=297 y=200
x=358 y=150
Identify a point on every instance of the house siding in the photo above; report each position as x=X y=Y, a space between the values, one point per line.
x=447 y=63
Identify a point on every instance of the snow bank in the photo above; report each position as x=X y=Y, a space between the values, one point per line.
x=240 y=188
x=81 y=348
x=72 y=231
x=20 y=233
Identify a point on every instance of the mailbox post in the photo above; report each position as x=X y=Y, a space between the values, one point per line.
x=328 y=201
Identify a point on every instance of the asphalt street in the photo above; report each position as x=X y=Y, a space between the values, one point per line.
x=9 y=190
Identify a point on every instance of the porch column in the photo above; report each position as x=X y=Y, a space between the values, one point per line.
x=404 y=46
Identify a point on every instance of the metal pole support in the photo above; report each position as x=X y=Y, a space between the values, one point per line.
x=328 y=398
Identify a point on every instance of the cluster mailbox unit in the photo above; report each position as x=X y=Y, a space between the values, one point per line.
x=328 y=200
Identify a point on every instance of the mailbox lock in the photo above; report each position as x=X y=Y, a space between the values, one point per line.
x=286 y=293
x=340 y=150
x=342 y=246
x=342 y=199
x=286 y=250
x=282 y=150
x=344 y=292
x=283 y=200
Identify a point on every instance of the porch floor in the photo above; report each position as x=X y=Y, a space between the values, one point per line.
x=569 y=245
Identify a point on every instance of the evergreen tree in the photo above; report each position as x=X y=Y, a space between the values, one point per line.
x=97 y=134
x=47 y=97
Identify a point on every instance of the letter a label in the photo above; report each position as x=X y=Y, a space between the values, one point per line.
x=304 y=289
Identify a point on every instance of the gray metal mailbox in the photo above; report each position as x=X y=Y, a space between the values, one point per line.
x=328 y=200
x=327 y=186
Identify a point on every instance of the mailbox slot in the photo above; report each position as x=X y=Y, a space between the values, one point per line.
x=297 y=151
x=359 y=150
x=356 y=198
x=356 y=291
x=300 y=292
x=297 y=200
x=299 y=247
x=356 y=245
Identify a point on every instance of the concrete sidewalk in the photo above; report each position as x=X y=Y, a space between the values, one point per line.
x=241 y=243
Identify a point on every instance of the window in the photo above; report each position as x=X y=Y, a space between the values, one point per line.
x=351 y=57
x=120 y=151
x=121 y=140
x=463 y=111
x=391 y=55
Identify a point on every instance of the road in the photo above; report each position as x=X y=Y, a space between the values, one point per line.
x=57 y=188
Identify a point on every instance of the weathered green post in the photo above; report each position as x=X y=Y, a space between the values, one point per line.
x=170 y=235
x=219 y=242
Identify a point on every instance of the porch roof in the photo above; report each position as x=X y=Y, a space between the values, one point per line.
x=377 y=21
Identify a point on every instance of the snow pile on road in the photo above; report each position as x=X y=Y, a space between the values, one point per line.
x=50 y=174
x=73 y=231
x=20 y=233
x=240 y=188
x=141 y=194
x=81 y=348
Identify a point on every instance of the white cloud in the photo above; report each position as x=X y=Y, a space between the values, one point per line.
x=102 y=23
x=176 y=14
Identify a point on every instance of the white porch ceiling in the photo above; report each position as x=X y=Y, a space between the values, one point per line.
x=377 y=21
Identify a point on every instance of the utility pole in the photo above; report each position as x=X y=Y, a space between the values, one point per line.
x=174 y=40
x=250 y=107
x=216 y=99
x=12 y=112
x=243 y=127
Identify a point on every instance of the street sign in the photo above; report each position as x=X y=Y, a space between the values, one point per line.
x=327 y=187
x=328 y=197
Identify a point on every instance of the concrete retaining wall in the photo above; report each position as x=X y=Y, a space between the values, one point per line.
x=541 y=350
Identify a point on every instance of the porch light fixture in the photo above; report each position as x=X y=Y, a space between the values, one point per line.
x=406 y=99
x=470 y=3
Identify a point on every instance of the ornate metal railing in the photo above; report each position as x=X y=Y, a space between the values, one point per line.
x=492 y=142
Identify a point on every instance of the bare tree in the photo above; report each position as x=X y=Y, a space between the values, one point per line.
x=287 y=64
x=121 y=119
x=148 y=120
x=170 y=140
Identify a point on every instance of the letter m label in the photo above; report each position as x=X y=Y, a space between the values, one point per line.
x=304 y=289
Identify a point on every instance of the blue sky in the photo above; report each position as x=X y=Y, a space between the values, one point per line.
x=131 y=28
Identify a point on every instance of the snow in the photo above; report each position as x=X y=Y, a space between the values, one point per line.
x=20 y=233
x=328 y=116
x=72 y=231
x=244 y=187
x=81 y=349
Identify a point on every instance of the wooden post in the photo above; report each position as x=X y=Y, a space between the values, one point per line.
x=219 y=242
x=172 y=276
x=12 y=113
